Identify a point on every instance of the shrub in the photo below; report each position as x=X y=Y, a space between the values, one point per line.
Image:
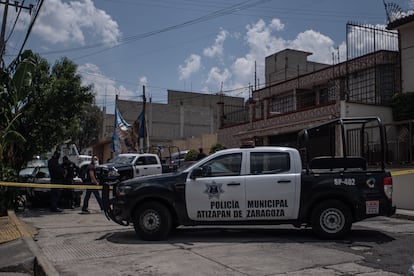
x=216 y=147
x=8 y=195
x=403 y=106
x=191 y=155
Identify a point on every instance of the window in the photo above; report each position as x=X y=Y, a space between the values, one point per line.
x=140 y=161
x=225 y=165
x=282 y=104
x=269 y=162
x=151 y=160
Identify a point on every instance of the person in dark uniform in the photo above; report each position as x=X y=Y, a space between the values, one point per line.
x=70 y=170
x=91 y=180
x=56 y=177
x=201 y=154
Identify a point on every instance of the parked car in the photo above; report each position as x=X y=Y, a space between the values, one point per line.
x=27 y=172
x=41 y=196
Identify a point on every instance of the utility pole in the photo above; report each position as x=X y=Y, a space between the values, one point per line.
x=3 y=26
x=144 y=101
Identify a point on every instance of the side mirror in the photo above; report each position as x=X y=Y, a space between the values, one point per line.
x=40 y=175
x=197 y=172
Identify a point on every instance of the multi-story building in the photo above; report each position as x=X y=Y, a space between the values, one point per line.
x=299 y=94
x=188 y=120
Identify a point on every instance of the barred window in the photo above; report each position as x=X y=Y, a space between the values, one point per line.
x=282 y=103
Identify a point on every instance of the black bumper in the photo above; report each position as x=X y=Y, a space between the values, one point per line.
x=111 y=212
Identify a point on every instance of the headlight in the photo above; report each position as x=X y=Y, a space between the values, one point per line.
x=113 y=172
x=123 y=190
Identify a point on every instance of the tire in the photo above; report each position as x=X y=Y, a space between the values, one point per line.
x=331 y=219
x=152 y=221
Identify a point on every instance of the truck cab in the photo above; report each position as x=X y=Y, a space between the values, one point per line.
x=130 y=165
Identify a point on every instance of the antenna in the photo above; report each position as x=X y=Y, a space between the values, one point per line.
x=393 y=11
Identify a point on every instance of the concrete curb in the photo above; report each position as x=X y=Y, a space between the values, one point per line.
x=404 y=214
x=41 y=266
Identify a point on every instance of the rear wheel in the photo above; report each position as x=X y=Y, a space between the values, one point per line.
x=331 y=219
x=152 y=221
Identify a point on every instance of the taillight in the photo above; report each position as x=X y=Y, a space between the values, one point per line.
x=387 y=184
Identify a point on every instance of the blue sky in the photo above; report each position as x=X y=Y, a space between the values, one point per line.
x=190 y=45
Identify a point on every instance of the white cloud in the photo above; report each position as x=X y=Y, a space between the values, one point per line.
x=217 y=48
x=277 y=24
x=192 y=65
x=216 y=77
x=321 y=46
x=143 y=80
x=104 y=88
x=75 y=21
x=263 y=40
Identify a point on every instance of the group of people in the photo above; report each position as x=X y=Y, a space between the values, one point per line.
x=64 y=174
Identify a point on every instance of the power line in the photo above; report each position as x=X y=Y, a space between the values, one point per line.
x=40 y=3
x=3 y=27
x=215 y=14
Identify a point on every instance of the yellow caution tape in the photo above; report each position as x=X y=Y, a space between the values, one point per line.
x=51 y=186
x=395 y=173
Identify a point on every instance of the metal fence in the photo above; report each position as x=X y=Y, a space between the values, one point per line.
x=362 y=39
x=399 y=144
x=233 y=115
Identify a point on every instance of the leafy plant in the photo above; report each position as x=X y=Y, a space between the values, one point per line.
x=216 y=147
x=403 y=106
x=7 y=194
x=191 y=155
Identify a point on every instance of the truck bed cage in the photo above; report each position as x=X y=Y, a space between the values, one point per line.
x=340 y=126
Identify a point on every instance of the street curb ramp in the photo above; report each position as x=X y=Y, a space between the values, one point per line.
x=41 y=265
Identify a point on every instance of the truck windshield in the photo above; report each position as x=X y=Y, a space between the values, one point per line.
x=123 y=159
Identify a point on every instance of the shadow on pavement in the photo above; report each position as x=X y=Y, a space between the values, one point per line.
x=250 y=235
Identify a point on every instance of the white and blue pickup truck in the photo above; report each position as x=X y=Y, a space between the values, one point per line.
x=129 y=165
x=254 y=186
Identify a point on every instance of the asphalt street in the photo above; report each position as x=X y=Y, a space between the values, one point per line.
x=71 y=243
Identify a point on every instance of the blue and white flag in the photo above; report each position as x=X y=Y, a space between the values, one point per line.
x=122 y=137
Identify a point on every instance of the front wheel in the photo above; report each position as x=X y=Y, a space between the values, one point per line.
x=331 y=219
x=152 y=221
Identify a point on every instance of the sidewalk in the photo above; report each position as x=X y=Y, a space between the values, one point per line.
x=26 y=258
x=20 y=254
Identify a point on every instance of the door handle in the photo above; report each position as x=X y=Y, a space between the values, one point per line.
x=284 y=181
x=233 y=184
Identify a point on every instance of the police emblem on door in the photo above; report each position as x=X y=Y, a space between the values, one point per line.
x=214 y=190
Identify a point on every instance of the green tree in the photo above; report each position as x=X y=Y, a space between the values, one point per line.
x=14 y=81
x=50 y=104
x=90 y=127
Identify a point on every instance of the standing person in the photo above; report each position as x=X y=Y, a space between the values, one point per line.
x=70 y=170
x=201 y=154
x=56 y=177
x=91 y=180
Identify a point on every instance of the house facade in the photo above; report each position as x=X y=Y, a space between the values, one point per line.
x=300 y=93
x=405 y=27
x=363 y=86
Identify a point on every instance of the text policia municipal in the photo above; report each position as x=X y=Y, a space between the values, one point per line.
x=255 y=209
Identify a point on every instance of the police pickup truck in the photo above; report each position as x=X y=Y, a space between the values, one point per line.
x=130 y=165
x=258 y=186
